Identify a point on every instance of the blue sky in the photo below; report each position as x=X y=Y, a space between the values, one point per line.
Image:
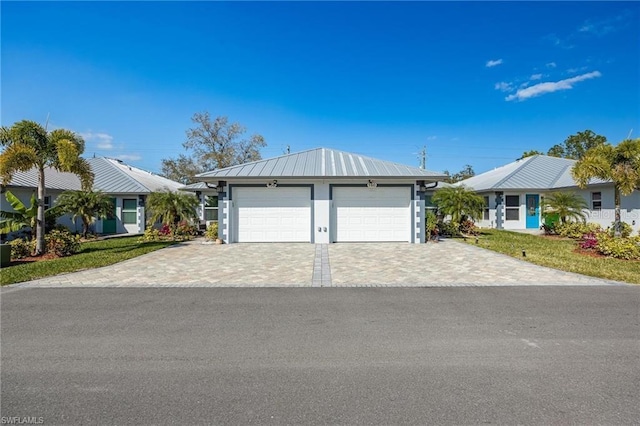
x=476 y=82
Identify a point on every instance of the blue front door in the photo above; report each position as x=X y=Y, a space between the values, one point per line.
x=533 y=211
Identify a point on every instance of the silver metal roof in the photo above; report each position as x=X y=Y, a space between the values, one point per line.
x=320 y=163
x=198 y=186
x=535 y=172
x=111 y=176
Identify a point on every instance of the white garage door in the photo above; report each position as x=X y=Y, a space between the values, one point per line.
x=281 y=214
x=372 y=214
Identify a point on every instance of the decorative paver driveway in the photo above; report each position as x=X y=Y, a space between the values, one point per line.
x=193 y=264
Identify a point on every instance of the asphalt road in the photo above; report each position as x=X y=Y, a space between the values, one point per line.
x=508 y=355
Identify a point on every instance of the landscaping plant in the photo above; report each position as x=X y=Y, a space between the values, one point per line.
x=26 y=145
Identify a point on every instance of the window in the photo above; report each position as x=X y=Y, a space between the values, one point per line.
x=428 y=203
x=512 y=210
x=47 y=202
x=129 y=211
x=485 y=216
x=596 y=201
x=211 y=208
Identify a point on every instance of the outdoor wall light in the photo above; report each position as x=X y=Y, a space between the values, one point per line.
x=273 y=184
x=371 y=184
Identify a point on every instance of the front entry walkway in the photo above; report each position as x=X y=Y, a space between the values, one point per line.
x=192 y=264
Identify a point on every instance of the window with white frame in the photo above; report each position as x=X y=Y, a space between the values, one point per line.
x=485 y=215
x=512 y=207
x=129 y=211
x=596 y=201
x=211 y=208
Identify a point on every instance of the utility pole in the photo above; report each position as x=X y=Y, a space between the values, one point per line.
x=423 y=157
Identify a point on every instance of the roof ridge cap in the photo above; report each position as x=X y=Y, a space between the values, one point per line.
x=526 y=160
x=122 y=172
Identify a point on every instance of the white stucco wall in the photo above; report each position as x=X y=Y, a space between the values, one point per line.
x=630 y=208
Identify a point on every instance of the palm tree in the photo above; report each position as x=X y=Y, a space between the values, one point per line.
x=27 y=145
x=566 y=205
x=87 y=205
x=459 y=201
x=619 y=164
x=171 y=207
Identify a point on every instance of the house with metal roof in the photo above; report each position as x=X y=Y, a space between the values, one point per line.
x=127 y=185
x=321 y=196
x=514 y=192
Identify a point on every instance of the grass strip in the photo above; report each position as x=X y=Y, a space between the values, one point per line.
x=93 y=254
x=558 y=254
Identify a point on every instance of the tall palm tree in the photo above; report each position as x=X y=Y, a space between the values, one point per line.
x=171 y=207
x=619 y=164
x=459 y=201
x=87 y=205
x=26 y=144
x=566 y=205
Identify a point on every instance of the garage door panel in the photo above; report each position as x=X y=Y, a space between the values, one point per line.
x=280 y=214
x=380 y=214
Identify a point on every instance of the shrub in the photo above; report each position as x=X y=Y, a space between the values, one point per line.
x=625 y=229
x=621 y=248
x=211 y=233
x=589 y=241
x=431 y=221
x=185 y=230
x=448 y=228
x=21 y=248
x=165 y=230
x=468 y=227
x=576 y=230
x=62 y=243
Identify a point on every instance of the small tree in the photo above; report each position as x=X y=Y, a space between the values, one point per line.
x=566 y=205
x=458 y=202
x=171 y=207
x=619 y=164
x=86 y=205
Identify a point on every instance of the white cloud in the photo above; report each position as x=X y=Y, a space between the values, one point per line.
x=129 y=157
x=504 y=86
x=551 y=65
x=536 y=77
x=432 y=138
x=102 y=140
x=606 y=26
x=550 y=87
x=493 y=63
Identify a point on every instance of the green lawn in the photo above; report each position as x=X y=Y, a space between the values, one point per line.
x=558 y=254
x=92 y=254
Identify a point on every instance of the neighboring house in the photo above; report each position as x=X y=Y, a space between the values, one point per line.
x=127 y=185
x=513 y=194
x=321 y=196
x=207 y=195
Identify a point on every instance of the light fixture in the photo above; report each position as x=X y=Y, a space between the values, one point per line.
x=371 y=184
x=273 y=184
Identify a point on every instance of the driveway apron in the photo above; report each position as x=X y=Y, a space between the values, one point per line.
x=193 y=264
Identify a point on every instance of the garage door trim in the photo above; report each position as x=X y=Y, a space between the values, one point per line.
x=284 y=185
x=383 y=185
